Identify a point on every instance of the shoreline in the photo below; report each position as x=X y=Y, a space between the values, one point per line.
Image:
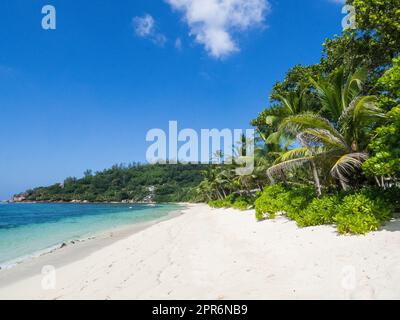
x=71 y=250
x=224 y=254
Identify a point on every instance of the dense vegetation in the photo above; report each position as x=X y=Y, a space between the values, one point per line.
x=136 y=182
x=328 y=146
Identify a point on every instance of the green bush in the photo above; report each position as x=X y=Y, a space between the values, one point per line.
x=241 y=204
x=319 y=212
x=269 y=203
x=391 y=196
x=359 y=214
x=232 y=201
x=219 y=204
x=277 y=198
x=297 y=199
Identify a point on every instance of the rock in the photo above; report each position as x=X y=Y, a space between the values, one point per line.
x=20 y=197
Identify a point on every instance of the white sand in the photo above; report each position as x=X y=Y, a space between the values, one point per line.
x=226 y=254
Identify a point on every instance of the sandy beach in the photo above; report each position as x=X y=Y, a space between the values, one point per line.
x=220 y=254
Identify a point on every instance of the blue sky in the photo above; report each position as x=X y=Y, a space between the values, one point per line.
x=84 y=95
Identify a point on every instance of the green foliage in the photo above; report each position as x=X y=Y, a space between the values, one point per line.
x=171 y=183
x=389 y=83
x=233 y=201
x=385 y=161
x=374 y=43
x=358 y=214
x=320 y=211
x=278 y=198
x=379 y=19
x=241 y=204
x=269 y=203
x=219 y=204
x=390 y=196
x=297 y=199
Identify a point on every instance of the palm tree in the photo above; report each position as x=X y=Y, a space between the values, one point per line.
x=291 y=104
x=339 y=141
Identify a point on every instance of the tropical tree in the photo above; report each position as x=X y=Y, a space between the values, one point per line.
x=336 y=138
x=384 y=163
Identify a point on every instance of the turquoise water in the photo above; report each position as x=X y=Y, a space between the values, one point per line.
x=27 y=229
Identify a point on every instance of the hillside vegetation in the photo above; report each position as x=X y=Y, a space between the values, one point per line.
x=136 y=183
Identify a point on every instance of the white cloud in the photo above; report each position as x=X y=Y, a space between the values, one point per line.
x=213 y=22
x=145 y=27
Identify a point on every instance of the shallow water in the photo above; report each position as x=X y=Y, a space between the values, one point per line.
x=28 y=229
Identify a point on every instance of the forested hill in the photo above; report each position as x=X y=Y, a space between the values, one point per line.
x=133 y=183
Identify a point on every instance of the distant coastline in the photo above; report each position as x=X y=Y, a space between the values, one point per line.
x=134 y=183
x=80 y=202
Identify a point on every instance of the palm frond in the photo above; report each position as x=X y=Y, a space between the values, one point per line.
x=346 y=165
x=294 y=154
x=322 y=136
x=287 y=165
x=353 y=85
x=298 y=123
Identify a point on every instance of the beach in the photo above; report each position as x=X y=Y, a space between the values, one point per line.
x=218 y=254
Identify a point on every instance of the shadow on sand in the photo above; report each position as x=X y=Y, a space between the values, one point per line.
x=394 y=225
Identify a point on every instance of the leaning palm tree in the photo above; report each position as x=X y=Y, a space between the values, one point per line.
x=338 y=142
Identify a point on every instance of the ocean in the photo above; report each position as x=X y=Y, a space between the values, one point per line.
x=28 y=230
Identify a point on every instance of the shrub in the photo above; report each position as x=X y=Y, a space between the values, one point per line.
x=232 y=201
x=218 y=204
x=277 y=198
x=269 y=203
x=241 y=204
x=353 y=213
x=391 y=196
x=297 y=199
x=359 y=214
x=319 y=212
x=385 y=160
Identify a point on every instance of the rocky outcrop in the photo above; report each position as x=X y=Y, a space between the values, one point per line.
x=150 y=197
x=20 y=197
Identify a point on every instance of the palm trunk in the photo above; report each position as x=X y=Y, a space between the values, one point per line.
x=223 y=191
x=316 y=178
x=377 y=181
x=383 y=183
x=221 y=197
x=343 y=185
x=283 y=176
